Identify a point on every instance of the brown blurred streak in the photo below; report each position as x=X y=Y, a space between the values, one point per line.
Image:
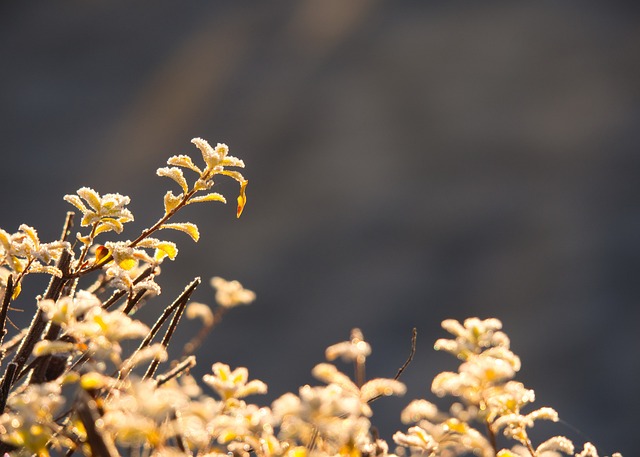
x=314 y=31
x=317 y=27
x=191 y=77
x=188 y=82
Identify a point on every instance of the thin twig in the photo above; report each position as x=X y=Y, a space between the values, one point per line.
x=145 y=233
x=172 y=327
x=183 y=297
x=197 y=340
x=7 y=381
x=492 y=438
x=121 y=293
x=39 y=323
x=88 y=413
x=414 y=338
x=8 y=291
x=176 y=371
x=133 y=301
x=68 y=223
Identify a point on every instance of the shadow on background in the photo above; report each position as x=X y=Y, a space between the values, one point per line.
x=408 y=162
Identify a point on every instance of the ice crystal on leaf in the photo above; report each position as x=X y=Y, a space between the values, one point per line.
x=106 y=213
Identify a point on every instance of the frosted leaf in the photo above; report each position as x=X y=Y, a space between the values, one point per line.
x=183 y=161
x=175 y=174
x=212 y=197
x=556 y=443
x=186 y=227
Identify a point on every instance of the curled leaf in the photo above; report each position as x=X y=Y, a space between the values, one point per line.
x=242 y=198
x=175 y=174
x=233 y=174
x=185 y=162
x=108 y=224
x=101 y=253
x=90 y=196
x=31 y=233
x=165 y=249
x=75 y=201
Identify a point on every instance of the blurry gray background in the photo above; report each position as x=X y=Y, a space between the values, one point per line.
x=408 y=162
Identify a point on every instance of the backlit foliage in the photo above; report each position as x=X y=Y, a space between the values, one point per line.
x=70 y=386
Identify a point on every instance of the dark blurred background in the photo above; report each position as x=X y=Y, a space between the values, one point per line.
x=408 y=162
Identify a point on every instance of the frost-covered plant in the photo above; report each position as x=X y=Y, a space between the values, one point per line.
x=70 y=387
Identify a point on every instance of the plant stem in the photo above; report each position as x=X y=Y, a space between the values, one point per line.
x=38 y=323
x=3 y=311
x=180 y=300
x=172 y=326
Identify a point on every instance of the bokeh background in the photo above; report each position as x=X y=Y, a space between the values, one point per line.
x=408 y=162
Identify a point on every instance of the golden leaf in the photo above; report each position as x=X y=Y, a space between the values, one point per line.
x=186 y=227
x=242 y=198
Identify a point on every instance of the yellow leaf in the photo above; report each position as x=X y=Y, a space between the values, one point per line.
x=186 y=227
x=47 y=347
x=90 y=196
x=213 y=197
x=166 y=248
x=31 y=233
x=127 y=263
x=4 y=240
x=242 y=198
x=92 y=381
x=108 y=224
x=17 y=288
x=233 y=174
x=171 y=202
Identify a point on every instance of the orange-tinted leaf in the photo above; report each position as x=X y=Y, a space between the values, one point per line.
x=242 y=198
x=101 y=253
